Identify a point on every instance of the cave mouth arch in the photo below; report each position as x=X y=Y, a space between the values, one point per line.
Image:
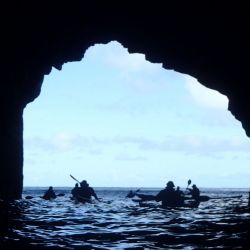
x=209 y=42
x=136 y=65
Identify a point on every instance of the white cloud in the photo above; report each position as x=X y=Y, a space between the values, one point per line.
x=63 y=140
x=188 y=144
x=121 y=106
x=204 y=96
x=124 y=157
x=66 y=141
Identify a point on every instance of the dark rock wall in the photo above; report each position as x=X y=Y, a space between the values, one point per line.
x=11 y=130
x=208 y=41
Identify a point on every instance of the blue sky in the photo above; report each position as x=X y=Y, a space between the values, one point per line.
x=118 y=120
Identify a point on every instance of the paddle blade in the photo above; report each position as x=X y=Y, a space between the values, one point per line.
x=60 y=194
x=189 y=182
x=29 y=197
x=74 y=178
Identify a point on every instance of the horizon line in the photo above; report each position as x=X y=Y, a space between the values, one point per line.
x=134 y=187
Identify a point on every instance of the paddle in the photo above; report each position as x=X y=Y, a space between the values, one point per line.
x=61 y=194
x=189 y=182
x=131 y=193
x=186 y=190
x=74 y=178
x=29 y=197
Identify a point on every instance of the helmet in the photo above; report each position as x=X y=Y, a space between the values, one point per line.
x=84 y=183
x=170 y=184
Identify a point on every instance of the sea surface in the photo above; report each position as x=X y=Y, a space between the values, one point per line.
x=117 y=222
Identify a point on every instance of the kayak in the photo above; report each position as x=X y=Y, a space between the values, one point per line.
x=29 y=197
x=81 y=199
x=202 y=198
x=146 y=197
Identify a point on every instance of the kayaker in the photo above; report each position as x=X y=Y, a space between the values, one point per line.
x=180 y=196
x=195 y=192
x=168 y=196
x=49 y=194
x=179 y=192
x=85 y=192
x=75 y=190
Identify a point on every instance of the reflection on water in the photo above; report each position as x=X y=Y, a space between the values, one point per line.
x=120 y=223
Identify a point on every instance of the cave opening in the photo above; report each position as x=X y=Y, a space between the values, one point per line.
x=118 y=120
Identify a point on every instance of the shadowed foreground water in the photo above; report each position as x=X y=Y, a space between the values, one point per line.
x=120 y=223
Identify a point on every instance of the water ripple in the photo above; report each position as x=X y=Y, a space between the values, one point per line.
x=119 y=223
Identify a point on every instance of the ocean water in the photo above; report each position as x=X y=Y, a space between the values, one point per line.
x=120 y=223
